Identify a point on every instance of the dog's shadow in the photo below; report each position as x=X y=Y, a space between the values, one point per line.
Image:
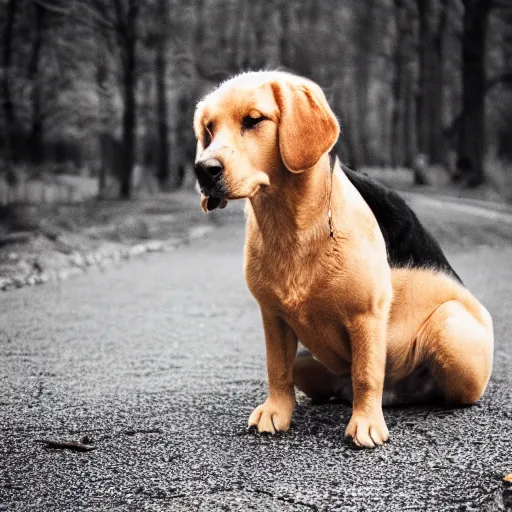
x=331 y=417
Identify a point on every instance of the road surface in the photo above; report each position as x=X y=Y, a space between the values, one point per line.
x=160 y=362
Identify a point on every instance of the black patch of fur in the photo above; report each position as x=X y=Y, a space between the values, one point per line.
x=408 y=243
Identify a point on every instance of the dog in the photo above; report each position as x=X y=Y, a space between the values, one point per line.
x=336 y=261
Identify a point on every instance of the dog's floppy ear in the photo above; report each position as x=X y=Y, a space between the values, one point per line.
x=307 y=126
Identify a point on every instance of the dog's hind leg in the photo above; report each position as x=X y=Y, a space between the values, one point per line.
x=458 y=341
x=317 y=382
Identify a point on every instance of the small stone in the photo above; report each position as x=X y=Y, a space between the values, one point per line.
x=137 y=250
x=199 y=231
x=155 y=246
x=5 y=283
x=77 y=259
x=172 y=244
x=42 y=278
x=18 y=281
x=90 y=260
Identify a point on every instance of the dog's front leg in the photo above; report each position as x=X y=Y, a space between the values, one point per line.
x=275 y=414
x=368 y=342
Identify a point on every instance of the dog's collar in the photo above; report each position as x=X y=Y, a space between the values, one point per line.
x=332 y=163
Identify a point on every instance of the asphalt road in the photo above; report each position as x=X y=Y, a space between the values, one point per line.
x=160 y=362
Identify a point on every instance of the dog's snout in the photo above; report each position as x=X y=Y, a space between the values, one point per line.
x=212 y=167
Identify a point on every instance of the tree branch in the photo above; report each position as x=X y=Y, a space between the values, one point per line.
x=57 y=9
x=101 y=9
x=88 y=16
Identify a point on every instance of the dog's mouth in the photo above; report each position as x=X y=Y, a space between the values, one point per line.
x=212 y=197
x=209 y=203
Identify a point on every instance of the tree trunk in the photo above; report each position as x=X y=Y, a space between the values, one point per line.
x=353 y=128
x=436 y=144
x=10 y=121
x=101 y=78
x=36 y=133
x=163 y=167
x=471 y=132
x=241 y=53
x=409 y=120
x=286 y=52
x=397 y=149
x=129 y=84
x=344 y=147
x=362 y=77
x=425 y=79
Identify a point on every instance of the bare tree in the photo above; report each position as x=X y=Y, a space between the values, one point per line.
x=471 y=130
x=402 y=28
x=103 y=107
x=36 y=131
x=364 y=37
x=410 y=141
x=437 y=146
x=126 y=23
x=120 y=19
x=163 y=172
x=426 y=78
x=10 y=120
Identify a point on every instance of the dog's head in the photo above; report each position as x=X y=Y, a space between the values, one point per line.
x=254 y=128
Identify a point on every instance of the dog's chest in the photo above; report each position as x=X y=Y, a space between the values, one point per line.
x=292 y=291
x=302 y=293
x=284 y=282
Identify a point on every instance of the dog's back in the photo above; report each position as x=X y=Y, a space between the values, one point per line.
x=408 y=243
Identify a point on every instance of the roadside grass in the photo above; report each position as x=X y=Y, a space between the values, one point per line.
x=39 y=239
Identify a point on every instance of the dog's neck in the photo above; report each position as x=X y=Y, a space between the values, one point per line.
x=296 y=208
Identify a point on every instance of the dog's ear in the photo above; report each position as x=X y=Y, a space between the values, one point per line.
x=308 y=127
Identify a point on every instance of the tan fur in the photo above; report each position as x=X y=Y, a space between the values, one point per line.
x=338 y=296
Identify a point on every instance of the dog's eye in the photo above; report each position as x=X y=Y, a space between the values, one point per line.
x=207 y=136
x=250 y=122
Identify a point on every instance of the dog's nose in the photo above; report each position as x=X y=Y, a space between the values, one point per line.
x=212 y=167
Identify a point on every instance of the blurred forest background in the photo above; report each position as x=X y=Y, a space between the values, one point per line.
x=107 y=88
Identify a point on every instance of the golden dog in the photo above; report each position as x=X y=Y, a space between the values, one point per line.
x=318 y=264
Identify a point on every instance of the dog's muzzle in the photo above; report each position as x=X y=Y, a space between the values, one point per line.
x=209 y=174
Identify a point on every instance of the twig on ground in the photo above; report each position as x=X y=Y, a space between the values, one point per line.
x=83 y=446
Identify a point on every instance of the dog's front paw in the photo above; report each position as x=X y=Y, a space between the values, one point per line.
x=275 y=415
x=367 y=430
